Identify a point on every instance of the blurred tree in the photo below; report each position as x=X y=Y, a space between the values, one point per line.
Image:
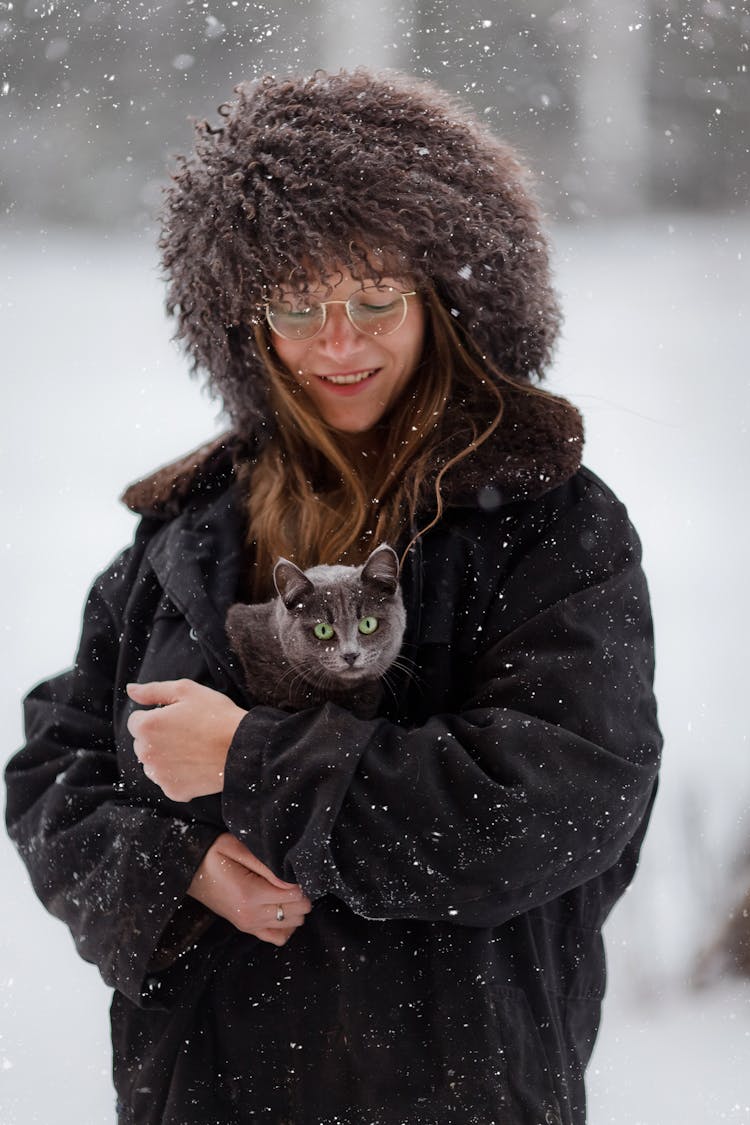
x=363 y=33
x=612 y=101
x=616 y=105
x=699 y=102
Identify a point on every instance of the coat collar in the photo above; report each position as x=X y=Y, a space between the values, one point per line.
x=197 y=559
x=537 y=446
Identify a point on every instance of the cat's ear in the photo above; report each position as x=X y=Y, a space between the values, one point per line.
x=381 y=569
x=291 y=584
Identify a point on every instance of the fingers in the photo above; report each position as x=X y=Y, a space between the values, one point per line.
x=271 y=902
x=158 y=692
x=276 y=931
x=143 y=725
x=229 y=882
x=251 y=916
x=282 y=916
x=273 y=937
x=264 y=872
x=266 y=895
x=234 y=850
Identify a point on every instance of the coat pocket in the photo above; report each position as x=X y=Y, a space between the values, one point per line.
x=528 y=1072
x=172 y=650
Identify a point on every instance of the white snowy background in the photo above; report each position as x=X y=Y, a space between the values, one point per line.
x=655 y=354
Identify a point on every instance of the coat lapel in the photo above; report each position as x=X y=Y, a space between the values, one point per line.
x=198 y=564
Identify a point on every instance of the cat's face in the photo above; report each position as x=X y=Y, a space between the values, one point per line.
x=341 y=624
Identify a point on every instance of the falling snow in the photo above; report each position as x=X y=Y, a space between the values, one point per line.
x=648 y=410
x=94 y=98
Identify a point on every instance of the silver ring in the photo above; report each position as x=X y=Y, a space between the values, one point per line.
x=280 y=915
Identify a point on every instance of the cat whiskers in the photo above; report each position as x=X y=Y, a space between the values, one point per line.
x=294 y=677
x=386 y=682
x=401 y=664
x=310 y=675
x=409 y=668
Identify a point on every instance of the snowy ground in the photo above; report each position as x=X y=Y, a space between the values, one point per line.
x=655 y=354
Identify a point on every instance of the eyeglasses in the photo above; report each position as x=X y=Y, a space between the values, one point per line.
x=376 y=310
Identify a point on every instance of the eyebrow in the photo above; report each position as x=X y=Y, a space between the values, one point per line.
x=387 y=282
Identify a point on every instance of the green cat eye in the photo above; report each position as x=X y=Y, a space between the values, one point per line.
x=323 y=631
x=368 y=625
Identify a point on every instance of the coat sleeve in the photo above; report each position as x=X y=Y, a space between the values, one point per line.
x=536 y=785
x=112 y=870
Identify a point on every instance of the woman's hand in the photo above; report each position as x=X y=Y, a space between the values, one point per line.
x=183 y=743
x=234 y=884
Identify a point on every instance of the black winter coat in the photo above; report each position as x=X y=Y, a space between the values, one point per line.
x=462 y=849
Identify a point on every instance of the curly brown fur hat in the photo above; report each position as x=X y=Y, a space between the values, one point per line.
x=368 y=170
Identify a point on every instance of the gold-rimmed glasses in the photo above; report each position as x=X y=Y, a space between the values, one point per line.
x=375 y=310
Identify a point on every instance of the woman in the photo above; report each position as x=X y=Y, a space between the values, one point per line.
x=359 y=268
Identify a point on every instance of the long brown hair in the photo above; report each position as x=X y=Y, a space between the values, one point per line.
x=310 y=501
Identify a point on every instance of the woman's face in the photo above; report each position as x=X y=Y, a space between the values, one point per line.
x=354 y=378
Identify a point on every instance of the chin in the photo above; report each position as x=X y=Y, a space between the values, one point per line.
x=353 y=425
x=355 y=675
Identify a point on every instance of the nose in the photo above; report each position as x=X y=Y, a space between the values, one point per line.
x=338 y=334
x=350 y=657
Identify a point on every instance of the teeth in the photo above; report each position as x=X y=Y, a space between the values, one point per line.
x=343 y=379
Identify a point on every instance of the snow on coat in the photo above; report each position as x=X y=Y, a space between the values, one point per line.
x=462 y=849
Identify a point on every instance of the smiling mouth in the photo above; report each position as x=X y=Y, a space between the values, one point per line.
x=349 y=380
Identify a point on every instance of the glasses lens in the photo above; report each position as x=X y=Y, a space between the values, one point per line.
x=296 y=317
x=377 y=310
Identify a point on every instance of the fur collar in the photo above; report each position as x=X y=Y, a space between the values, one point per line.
x=537 y=446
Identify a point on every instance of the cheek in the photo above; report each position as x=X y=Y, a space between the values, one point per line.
x=290 y=353
x=414 y=339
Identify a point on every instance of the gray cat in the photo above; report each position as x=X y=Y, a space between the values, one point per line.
x=331 y=634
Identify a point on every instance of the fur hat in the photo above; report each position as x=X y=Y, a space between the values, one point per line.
x=377 y=172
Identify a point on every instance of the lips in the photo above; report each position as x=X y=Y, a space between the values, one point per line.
x=349 y=379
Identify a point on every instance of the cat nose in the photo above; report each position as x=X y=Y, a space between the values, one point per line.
x=350 y=657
